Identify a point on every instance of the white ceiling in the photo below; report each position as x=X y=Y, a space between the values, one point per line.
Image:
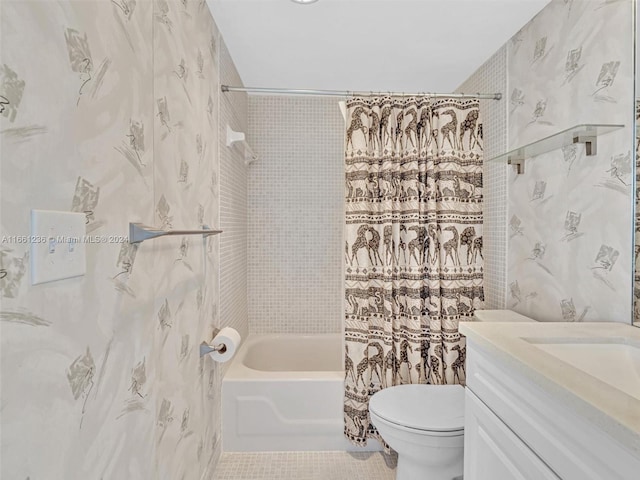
x=379 y=45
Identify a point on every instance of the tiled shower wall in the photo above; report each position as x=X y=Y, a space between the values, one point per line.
x=113 y=110
x=295 y=204
x=233 y=203
x=491 y=77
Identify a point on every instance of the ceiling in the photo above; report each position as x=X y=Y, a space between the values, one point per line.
x=379 y=45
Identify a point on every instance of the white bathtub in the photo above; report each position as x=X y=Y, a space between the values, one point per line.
x=284 y=393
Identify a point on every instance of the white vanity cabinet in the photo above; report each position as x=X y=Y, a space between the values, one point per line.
x=493 y=451
x=519 y=427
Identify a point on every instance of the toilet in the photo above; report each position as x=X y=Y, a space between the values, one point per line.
x=424 y=424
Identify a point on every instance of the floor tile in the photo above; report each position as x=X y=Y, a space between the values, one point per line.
x=306 y=466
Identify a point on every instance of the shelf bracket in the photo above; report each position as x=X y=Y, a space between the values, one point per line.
x=590 y=143
x=517 y=160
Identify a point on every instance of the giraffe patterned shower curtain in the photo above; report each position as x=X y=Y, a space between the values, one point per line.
x=413 y=245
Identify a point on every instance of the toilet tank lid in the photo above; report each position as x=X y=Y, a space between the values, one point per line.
x=500 y=316
x=436 y=408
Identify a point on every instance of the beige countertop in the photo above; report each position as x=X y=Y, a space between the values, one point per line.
x=607 y=407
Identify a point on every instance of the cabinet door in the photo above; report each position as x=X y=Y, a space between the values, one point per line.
x=493 y=452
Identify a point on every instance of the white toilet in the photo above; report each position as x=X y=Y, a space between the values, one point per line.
x=424 y=424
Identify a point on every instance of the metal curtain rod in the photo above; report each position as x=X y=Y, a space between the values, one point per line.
x=347 y=93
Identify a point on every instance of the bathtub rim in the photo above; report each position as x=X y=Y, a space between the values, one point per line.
x=238 y=371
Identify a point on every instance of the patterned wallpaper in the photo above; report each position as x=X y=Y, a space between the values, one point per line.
x=570 y=215
x=492 y=77
x=111 y=108
x=296 y=215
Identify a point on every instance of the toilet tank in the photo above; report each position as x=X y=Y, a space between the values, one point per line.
x=500 y=316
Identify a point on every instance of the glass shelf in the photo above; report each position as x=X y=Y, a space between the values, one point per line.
x=586 y=133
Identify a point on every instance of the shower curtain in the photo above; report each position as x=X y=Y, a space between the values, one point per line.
x=413 y=247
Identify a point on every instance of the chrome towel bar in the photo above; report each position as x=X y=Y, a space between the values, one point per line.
x=139 y=233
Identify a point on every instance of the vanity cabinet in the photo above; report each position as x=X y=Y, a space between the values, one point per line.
x=517 y=427
x=493 y=451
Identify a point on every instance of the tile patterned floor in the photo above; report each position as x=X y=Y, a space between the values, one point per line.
x=306 y=466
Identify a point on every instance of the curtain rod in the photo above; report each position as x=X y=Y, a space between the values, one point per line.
x=347 y=93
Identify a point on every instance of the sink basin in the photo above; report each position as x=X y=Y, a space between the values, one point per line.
x=615 y=362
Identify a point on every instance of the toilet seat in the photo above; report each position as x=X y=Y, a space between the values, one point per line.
x=431 y=409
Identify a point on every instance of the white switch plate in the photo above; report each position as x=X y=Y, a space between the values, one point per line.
x=57 y=245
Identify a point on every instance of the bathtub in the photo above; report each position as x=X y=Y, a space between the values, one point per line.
x=284 y=393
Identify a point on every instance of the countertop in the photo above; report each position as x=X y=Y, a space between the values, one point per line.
x=608 y=408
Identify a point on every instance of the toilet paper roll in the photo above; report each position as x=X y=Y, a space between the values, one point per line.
x=230 y=338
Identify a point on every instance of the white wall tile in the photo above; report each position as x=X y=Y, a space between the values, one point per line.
x=295 y=204
x=491 y=77
x=233 y=203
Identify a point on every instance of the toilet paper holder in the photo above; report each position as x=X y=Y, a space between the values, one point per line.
x=205 y=348
x=222 y=347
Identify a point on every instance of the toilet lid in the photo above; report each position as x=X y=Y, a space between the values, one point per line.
x=437 y=408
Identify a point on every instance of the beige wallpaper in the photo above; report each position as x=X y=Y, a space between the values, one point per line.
x=110 y=108
x=570 y=215
x=562 y=69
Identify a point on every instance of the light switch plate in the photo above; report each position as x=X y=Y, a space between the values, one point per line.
x=57 y=245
